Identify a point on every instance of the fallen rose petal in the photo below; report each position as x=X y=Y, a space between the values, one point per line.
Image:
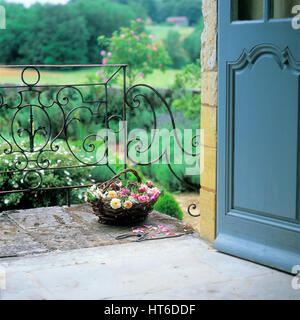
x=138 y=230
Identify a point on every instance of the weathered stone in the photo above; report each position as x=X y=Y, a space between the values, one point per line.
x=41 y=218
x=209 y=126
x=209 y=36
x=15 y=241
x=209 y=99
x=209 y=88
x=181 y=268
x=208 y=216
x=208 y=176
x=48 y=229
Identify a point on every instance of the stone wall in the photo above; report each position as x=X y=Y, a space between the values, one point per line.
x=209 y=119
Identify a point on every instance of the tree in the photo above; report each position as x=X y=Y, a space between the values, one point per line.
x=187 y=101
x=53 y=35
x=175 y=50
x=192 y=44
x=60 y=34
x=134 y=47
x=103 y=17
x=190 y=8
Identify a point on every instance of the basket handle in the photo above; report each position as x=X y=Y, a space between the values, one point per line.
x=107 y=184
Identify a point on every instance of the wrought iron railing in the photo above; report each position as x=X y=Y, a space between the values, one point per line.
x=29 y=143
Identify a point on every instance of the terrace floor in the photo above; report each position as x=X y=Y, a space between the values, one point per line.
x=64 y=253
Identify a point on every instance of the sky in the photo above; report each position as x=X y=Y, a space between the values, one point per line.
x=27 y=3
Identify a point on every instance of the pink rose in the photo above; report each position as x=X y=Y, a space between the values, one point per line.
x=98 y=72
x=109 y=54
x=125 y=191
x=149 y=184
x=122 y=35
x=102 y=52
x=143 y=199
x=132 y=32
x=104 y=60
x=138 y=19
x=141 y=75
x=142 y=189
x=137 y=38
x=155 y=49
x=151 y=36
x=105 y=80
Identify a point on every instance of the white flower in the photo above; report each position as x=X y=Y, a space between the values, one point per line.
x=6 y=201
x=100 y=194
x=93 y=188
x=67 y=172
x=112 y=194
x=115 y=203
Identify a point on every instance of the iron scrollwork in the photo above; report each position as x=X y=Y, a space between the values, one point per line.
x=31 y=157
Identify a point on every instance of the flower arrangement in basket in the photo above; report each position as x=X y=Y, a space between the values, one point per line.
x=123 y=203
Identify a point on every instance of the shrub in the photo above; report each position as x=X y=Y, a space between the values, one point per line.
x=134 y=47
x=160 y=171
x=50 y=178
x=167 y=204
x=192 y=44
x=175 y=50
x=188 y=101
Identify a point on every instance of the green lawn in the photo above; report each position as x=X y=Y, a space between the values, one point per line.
x=157 y=79
x=160 y=32
x=160 y=79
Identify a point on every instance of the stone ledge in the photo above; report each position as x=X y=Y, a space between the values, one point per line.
x=34 y=231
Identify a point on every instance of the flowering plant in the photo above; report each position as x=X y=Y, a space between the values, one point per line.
x=134 y=47
x=124 y=195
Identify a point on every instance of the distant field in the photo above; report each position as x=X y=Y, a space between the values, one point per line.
x=161 y=32
x=13 y=76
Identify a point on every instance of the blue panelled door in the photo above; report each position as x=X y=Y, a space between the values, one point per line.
x=258 y=194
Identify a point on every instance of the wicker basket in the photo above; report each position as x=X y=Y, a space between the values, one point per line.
x=108 y=215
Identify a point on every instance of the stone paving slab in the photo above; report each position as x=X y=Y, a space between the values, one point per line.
x=178 y=268
x=25 y=232
x=15 y=241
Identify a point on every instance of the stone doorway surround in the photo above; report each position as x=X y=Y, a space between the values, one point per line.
x=209 y=98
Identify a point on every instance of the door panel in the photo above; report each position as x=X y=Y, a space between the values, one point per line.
x=265 y=139
x=258 y=138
